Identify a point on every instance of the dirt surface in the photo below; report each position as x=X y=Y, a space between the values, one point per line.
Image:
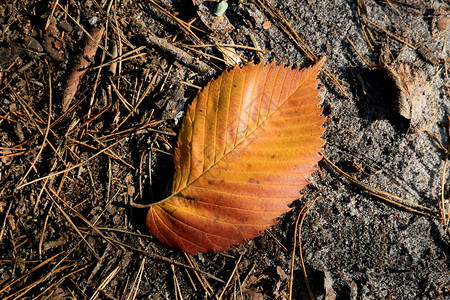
x=66 y=181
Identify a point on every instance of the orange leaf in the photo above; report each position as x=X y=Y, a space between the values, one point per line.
x=247 y=145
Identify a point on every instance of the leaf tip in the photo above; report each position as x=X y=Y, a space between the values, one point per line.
x=320 y=63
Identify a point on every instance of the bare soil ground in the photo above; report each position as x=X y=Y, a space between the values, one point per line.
x=76 y=148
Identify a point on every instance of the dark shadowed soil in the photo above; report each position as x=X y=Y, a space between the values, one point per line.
x=66 y=179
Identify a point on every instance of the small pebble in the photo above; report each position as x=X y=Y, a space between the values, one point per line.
x=92 y=21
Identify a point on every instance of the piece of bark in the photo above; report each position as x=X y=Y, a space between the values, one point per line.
x=83 y=61
x=52 y=44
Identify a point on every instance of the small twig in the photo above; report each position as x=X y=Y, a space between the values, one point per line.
x=180 y=55
x=84 y=60
x=46 y=130
x=381 y=194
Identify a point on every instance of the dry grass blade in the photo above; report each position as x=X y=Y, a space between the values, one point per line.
x=89 y=120
x=229 y=45
x=97 y=44
x=301 y=215
x=183 y=25
x=137 y=281
x=362 y=12
x=359 y=54
x=80 y=216
x=287 y=28
x=122 y=58
x=445 y=212
x=121 y=231
x=4 y=222
x=31 y=271
x=384 y=195
x=204 y=283
x=162 y=258
x=69 y=220
x=276 y=240
x=59 y=281
x=231 y=276
x=20 y=293
x=178 y=295
x=47 y=130
x=105 y=282
x=389 y=33
x=311 y=203
x=70 y=168
x=41 y=240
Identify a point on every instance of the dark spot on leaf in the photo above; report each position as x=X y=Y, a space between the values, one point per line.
x=186 y=197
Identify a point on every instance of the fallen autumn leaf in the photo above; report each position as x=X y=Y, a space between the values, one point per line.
x=247 y=145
